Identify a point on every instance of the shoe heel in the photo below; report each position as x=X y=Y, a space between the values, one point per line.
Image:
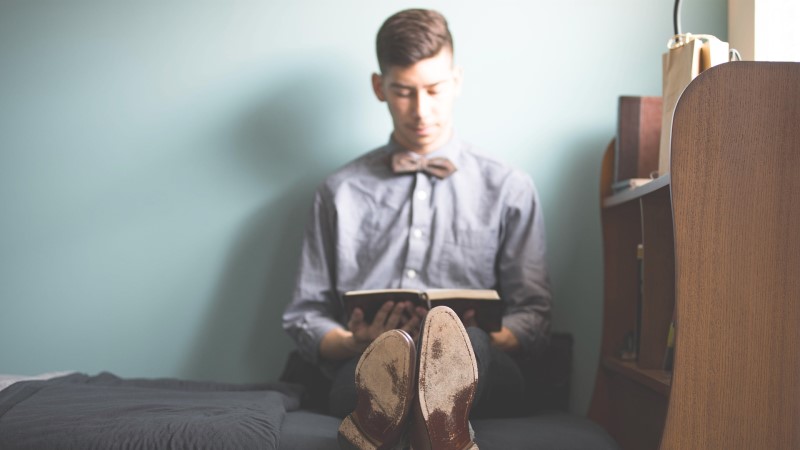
x=351 y=437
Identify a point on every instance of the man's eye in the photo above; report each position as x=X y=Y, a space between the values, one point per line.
x=403 y=93
x=439 y=89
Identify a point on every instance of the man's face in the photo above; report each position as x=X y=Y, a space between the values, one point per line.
x=420 y=99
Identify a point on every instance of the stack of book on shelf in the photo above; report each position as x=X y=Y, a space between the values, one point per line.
x=637 y=143
x=669 y=355
x=630 y=348
x=630 y=183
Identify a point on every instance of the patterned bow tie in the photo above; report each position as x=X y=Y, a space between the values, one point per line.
x=439 y=167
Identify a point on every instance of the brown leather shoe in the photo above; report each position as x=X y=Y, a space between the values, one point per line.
x=448 y=376
x=385 y=377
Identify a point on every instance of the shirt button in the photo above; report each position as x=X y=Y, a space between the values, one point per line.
x=411 y=273
x=417 y=233
x=422 y=195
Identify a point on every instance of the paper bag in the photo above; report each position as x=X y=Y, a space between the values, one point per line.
x=688 y=55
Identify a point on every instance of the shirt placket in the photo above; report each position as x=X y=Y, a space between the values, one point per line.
x=419 y=233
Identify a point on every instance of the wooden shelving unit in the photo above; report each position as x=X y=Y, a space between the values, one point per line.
x=656 y=379
x=631 y=397
x=721 y=258
x=636 y=193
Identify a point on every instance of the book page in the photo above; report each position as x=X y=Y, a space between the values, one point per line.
x=472 y=294
x=383 y=291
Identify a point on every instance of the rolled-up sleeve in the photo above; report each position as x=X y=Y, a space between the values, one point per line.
x=522 y=270
x=315 y=306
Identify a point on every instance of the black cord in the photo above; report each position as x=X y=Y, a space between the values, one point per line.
x=676 y=17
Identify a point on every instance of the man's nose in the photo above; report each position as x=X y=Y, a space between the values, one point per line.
x=423 y=105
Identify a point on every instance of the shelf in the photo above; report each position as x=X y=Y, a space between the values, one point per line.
x=631 y=398
x=658 y=380
x=637 y=192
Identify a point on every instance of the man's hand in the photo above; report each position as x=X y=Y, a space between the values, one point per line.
x=468 y=319
x=339 y=344
x=503 y=339
x=413 y=326
x=391 y=316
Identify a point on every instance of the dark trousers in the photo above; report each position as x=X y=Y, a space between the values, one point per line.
x=500 y=390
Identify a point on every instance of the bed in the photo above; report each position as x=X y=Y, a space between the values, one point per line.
x=104 y=411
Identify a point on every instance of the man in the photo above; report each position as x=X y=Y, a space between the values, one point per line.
x=423 y=211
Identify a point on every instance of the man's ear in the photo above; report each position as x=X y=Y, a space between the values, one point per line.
x=377 y=87
x=458 y=78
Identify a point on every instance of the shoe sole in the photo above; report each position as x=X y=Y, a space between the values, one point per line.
x=385 y=389
x=448 y=376
x=352 y=438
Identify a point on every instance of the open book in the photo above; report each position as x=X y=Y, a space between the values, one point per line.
x=486 y=302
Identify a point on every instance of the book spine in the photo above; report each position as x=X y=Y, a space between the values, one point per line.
x=637 y=329
x=669 y=355
x=638 y=137
x=426 y=299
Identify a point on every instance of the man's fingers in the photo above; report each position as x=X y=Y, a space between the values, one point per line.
x=396 y=316
x=382 y=314
x=356 y=319
x=359 y=327
x=469 y=318
x=412 y=326
x=356 y=323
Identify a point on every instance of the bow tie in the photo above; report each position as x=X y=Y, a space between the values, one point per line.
x=439 y=167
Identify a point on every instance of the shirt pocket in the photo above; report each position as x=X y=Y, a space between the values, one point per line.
x=468 y=258
x=368 y=236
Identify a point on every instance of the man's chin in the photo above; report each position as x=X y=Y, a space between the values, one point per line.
x=422 y=143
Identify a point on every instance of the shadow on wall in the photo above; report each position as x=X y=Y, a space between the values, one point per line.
x=285 y=142
x=575 y=257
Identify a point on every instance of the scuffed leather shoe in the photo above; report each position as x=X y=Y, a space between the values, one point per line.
x=448 y=377
x=385 y=377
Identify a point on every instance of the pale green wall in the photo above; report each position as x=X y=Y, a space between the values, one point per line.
x=157 y=160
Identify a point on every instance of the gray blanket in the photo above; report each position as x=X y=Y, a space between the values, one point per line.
x=107 y=412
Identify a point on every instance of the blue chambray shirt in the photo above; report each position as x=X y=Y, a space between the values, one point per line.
x=369 y=228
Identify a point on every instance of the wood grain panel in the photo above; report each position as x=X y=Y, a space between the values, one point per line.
x=736 y=206
x=639 y=414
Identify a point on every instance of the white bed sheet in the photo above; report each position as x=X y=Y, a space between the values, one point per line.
x=8 y=380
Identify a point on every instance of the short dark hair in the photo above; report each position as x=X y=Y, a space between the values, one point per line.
x=410 y=36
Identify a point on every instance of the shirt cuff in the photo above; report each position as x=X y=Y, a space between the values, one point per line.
x=310 y=336
x=530 y=337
